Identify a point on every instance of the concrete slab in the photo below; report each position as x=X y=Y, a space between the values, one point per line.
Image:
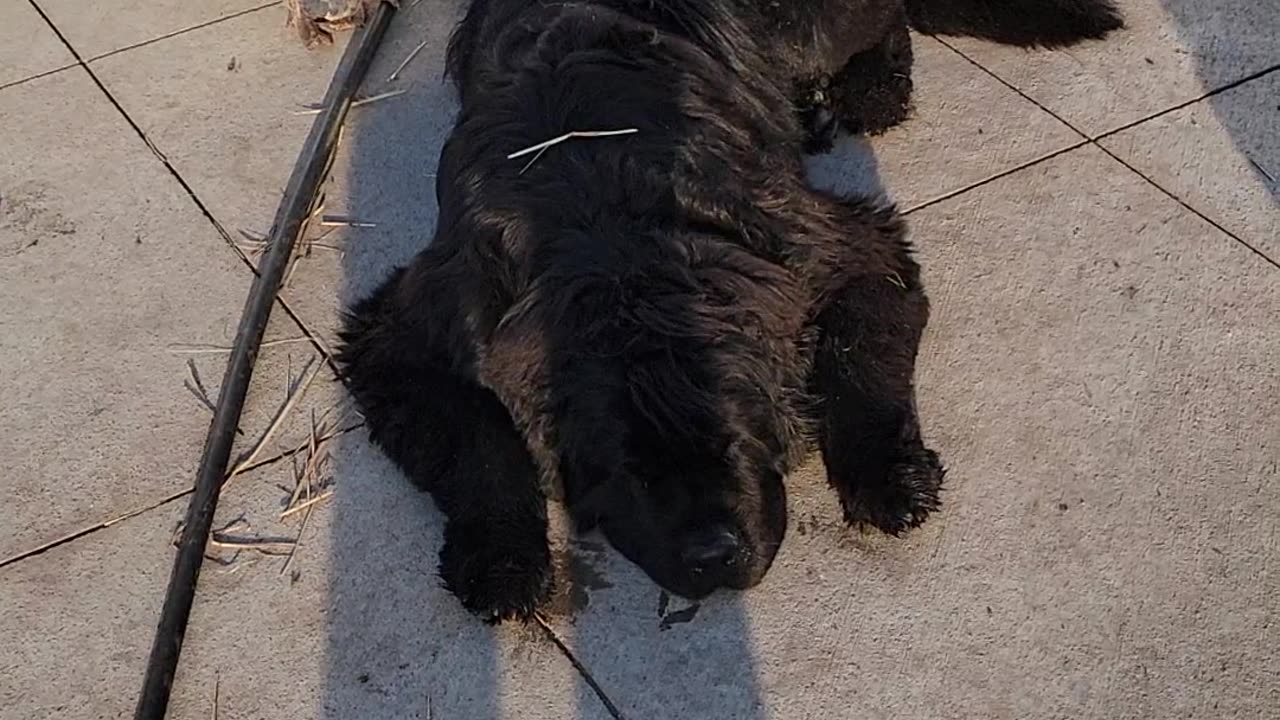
x=1172 y=52
x=114 y=281
x=28 y=46
x=78 y=621
x=966 y=127
x=1220 y=155
x=1108 y=536
x=228 y=119
x=103 y=26
x=356 y=625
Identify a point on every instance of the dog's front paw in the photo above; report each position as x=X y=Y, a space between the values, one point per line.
x=497 y=578
x=901 y=499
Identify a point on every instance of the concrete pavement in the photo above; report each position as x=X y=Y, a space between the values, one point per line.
x=1098 y=228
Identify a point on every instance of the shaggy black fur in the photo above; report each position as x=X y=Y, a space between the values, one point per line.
x=663 y=322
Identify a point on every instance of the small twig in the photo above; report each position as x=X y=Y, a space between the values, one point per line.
x=235 y=565
x=266 y=546
x=294 y=397
x=316 y=108
x=200 y=386
x=317 y=208
x=198 y=349
x=257 y=242
x=569 y=136
x=288 y=275
x=304 y=480
x=582 y=670
x=306 y=504
x=532 y=160
x=293 y=551
x=303 y=248
x=341 y=221
x=196 y=386
x=396 y=73
x=241 y=523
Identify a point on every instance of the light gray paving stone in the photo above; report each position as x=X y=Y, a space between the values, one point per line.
x=28 y=46
x=108 y=272
x=78 y=621
x=1099 y=375
x=1172 y=51
x=1220 y=155
x=231 y=130
x=234 y=134
x=102 y=26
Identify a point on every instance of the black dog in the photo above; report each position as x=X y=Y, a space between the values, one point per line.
x=662 y=320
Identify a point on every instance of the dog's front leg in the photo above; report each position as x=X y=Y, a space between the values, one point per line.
x=455 y=439
x=863 y=370
x=869 y=433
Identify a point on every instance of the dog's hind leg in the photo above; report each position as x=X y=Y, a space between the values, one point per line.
x=872 y=93
x=456 y=440
x=1026 y=23
x=867 y=92
x=863 y=371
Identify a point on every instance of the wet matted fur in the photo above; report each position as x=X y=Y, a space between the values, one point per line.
x=662 y=322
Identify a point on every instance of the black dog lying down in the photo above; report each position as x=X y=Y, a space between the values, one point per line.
x=665 y=321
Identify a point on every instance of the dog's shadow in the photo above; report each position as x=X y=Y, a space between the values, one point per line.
x=399 y=645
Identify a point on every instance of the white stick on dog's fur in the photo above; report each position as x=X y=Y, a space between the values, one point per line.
x=570 y=136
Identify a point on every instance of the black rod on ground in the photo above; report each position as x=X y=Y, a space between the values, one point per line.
x=309 y=172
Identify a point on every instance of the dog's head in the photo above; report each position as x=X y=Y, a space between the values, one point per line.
x=698 y=504
x=667 y=397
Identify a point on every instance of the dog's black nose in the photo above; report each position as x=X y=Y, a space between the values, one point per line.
x=712 y=552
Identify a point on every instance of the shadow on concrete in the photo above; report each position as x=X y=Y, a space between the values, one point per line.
x=399 y=645
x=1230 y=41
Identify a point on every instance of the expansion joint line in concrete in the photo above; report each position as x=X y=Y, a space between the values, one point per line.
x=103 y=525
x=1086 y=139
